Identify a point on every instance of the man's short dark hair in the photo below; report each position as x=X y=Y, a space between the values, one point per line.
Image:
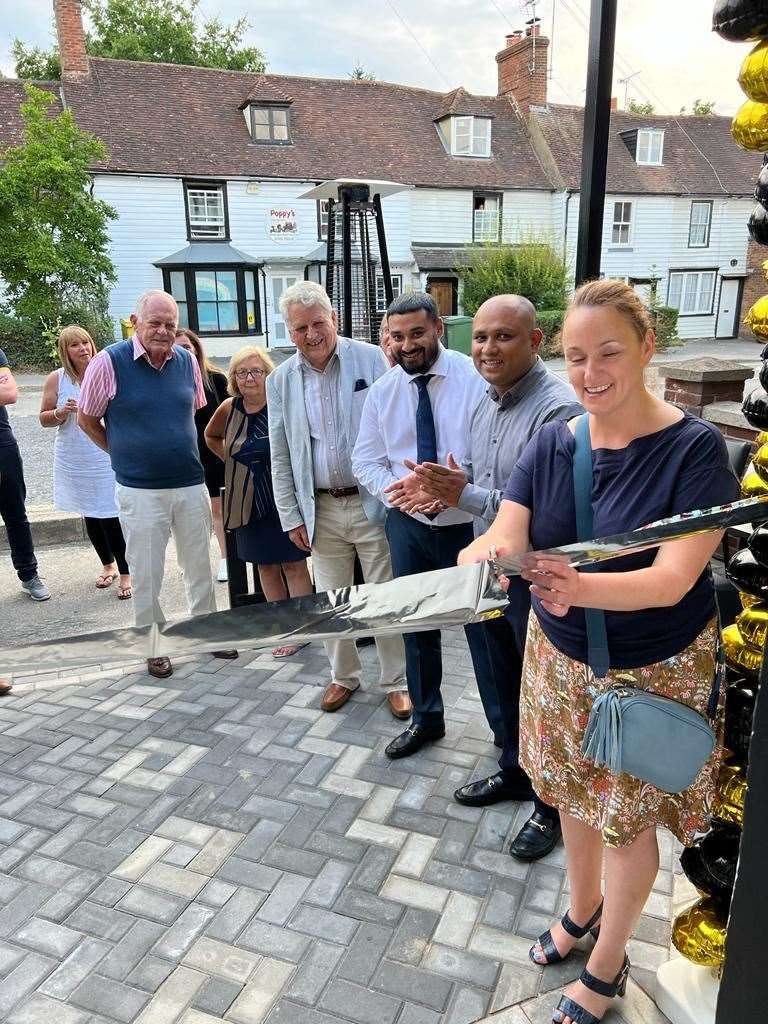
x=414 y=302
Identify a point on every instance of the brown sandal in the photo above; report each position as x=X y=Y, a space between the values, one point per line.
x=106 y=580
x=124 y=593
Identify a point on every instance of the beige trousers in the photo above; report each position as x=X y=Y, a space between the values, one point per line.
x=341 y=531
x=148 y=518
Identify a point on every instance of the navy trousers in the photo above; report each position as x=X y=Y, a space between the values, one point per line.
x=13 y=495
x=421 y=547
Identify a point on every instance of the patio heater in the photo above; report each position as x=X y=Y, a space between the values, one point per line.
x=356 y=252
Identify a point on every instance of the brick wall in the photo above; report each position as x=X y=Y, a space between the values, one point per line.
x=522 y=69
x=755 y=284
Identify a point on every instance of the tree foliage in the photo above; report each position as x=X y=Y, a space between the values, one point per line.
x=532 y=269
x=360 y=74
x=701 y=108
x=636 y=107
x=165 y=31
x=54 y=255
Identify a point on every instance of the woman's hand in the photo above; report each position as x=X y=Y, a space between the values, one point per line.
x=557 y=585
x=478 y=551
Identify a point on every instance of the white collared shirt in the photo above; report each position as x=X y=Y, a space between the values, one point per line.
x=387 y=434
x=331 y=462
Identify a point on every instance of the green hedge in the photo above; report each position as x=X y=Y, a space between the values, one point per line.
x=27 y=347
x=665 y=319
x=550 y=321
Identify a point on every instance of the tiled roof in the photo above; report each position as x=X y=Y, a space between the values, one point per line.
x=460 y=102
x=178 y=120
x=11 y=98
x=444 y=257
x=700 y=157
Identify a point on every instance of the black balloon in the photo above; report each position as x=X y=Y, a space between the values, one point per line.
x=710 y=864
x=764 y=353
x=757 y=225
x=739 y=709
x=764 y=373
x=755 y=409
x=758 y=544
x=761 y=187
x=740 y=20
x=746 y=573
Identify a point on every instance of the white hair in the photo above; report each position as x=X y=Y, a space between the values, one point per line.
x=304 y=293
x=154 y=293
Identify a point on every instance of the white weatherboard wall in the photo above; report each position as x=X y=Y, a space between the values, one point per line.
x=441 y=215
x=527 y=216
x=659 y=244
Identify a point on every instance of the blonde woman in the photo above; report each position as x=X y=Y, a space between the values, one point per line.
x=238 y=434
x=649 y=460
x=83 y=480
x=215 y=387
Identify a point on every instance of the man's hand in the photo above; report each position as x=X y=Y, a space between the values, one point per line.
x=443 y=483
x=408 y=495
x=300 y=537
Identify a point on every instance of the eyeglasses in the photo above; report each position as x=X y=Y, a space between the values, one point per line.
x=245 y=374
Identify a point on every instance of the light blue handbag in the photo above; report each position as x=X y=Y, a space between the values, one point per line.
x=638 y=732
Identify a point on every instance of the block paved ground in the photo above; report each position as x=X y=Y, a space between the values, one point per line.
x=213 y=847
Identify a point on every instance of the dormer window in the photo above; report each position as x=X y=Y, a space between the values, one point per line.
x=471 y=136
x=650 y=146
x=270 y=123
x=206 y=203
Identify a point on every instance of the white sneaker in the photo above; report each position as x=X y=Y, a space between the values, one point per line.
x=222 y=575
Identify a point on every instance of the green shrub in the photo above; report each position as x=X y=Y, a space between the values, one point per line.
x=550 y=321
x=665 y=320
x=31 y=346
x=532 y=269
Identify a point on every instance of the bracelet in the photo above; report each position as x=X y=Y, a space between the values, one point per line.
x=56 y=416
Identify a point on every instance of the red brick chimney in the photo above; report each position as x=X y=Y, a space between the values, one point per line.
x=69 y=28
x=523 y=67
x=614 y=103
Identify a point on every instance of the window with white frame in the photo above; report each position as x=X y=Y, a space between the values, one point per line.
x=206 y=210
x=486 y=225
x=621 y=231
x=650 y=145
x=698 y=229
x=471 y=136
x=691 y=291
x=322 y=221
x=397 y=289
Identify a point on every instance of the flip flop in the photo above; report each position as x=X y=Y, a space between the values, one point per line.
x=288 y=650
x=124 y=593
x=106 y=580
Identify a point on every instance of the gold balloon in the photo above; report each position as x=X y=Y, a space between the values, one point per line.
x=731 y=793
x=752 y=484
x=762 y=437
x=749 y=127
x=699 y=934
x=760 y=462
x=748 y=600
x=753 y=625
x=753 y=75
x=738 y=653
x=757 y=317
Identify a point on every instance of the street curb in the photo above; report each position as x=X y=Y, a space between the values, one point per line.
x=50 y=527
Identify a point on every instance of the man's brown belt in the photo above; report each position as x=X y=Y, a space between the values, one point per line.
x=338 y=492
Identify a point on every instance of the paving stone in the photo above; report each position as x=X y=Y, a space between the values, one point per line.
x=175 y=993
x=287 y=1012
x=359 y=1004
x=216 y=996
x=216 y=893
x=286 y=858
x=256 y=999
x=9 y=957
x=329 y=883
x=457 y=920
x=461 y=965
x=235 y=914
x=150 y=973
x=412 y=936
x=243 y=872
x=414 y=893
x=24 y=978
x=270 y=940
x=110 y=998
x=361 y=958
x=225 y=961
x=180 y=936
x=47 y=937
x=413 y=1014
x=130 y=950
x=324 y=924
x=177 y=881
x=78 y=965
x=147 y=903
x=283 y=899
x=39 y=1009
x=467 y=1007
x=135 y=865
x=318 y=965
x=408 y=983
x=367 y=907
x=105 y=922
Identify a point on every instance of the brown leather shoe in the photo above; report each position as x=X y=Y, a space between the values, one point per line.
x=161 y=668
x=400 y=704
x=226 y=655
x=5 y=687
x=335 y=697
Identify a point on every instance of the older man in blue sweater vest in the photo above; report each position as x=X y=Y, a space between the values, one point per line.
x=138 y=402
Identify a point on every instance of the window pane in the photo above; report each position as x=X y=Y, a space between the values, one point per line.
x=706 y=287
x=183 y=314
x=261 y=132
x=617 y=208
x=277 y=291
x=260 y=115
x=656 y=147
x=206 y=316
x=281 y=133
x=462 y=134
x=228 y=318
x=226 y=285
x=690 y=290
x=250 y=284
x=205 y=285
x=178 y=285
x=280 y=117
x=250 y=313
x=397 y=285
x=480 y=135
x=675 y=285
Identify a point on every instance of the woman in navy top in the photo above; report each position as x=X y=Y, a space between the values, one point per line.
x=649 y=461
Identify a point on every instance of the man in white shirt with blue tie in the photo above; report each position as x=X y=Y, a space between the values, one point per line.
x=419 y=409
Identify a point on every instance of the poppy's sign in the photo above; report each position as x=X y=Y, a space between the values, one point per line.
x=282 y=223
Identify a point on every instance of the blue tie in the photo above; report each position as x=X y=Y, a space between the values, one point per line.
x=426 y=439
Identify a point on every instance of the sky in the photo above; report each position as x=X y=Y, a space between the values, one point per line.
x=440 y=44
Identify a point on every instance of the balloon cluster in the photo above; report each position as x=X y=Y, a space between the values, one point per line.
x=710 y=864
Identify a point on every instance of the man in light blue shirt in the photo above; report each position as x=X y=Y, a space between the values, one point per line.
x=418 y=412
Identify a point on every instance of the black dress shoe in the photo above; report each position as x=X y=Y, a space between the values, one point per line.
x=537 y=837
x=365 y=641
x=492 y=790
x=413 y=739
x=228 y=655
x=497 y=742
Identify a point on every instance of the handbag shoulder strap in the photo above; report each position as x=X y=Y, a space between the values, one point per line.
x=598 y=656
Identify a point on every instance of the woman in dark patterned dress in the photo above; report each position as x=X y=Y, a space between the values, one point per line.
x=238 y=434
x=649 y=461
